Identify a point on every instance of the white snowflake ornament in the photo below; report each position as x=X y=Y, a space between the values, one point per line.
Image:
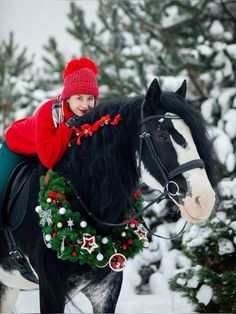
x=70 y=223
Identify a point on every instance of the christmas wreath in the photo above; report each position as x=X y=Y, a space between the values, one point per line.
x=67 y=233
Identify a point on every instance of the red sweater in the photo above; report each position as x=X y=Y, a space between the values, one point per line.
x=38 y=135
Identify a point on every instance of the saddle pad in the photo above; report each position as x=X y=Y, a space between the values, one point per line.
x=17 y=181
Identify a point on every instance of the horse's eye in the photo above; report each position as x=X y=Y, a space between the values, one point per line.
x=163 y=136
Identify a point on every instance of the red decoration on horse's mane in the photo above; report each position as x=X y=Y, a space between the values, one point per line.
x=89 y=129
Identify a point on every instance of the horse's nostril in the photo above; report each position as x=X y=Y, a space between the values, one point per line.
x=198 y=201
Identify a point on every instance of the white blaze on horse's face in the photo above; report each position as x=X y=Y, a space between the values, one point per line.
x=199 y=203
x=199 y=200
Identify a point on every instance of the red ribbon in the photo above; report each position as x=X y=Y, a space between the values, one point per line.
x=88 y=129
x=55 y=195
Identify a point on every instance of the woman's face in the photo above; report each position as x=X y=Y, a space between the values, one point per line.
x=80 y=104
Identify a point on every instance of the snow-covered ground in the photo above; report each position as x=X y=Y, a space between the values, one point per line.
x=164 y=301
x=173 y=303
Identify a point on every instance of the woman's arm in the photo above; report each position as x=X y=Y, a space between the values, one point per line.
x=51 y=142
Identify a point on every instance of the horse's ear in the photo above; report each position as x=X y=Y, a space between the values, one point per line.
x=152 y=99
x=182 y=90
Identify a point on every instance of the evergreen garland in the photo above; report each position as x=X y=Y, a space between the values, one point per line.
x=67 y=233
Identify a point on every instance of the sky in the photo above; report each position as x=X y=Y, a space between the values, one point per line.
x=34 y=21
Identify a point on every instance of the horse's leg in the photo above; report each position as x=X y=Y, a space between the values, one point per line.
x=8 y=298
x=104 y=294
x=51 y=300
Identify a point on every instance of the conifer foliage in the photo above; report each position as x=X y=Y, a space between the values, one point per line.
x=15 y=80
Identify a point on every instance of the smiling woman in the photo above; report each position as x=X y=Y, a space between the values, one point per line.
x=80 y=104
x=47 y=132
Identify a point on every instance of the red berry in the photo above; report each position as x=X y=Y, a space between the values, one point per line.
x=124 y=247
x=74 y=253
x=130 y=241
x=54 y=234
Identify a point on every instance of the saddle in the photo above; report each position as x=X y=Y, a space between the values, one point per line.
x=11 y=219
x=17 y=180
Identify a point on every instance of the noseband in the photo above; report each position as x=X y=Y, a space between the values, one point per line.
x=167 y=176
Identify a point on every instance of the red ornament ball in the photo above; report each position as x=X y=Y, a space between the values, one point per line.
x=124 y=247
x=130 y=241
x=74 y=253
x=54 y=234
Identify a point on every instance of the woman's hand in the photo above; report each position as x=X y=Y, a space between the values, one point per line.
x=72 y=122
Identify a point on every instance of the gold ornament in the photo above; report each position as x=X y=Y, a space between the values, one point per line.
x=123 y=234
x=59 y=225
x=145 y=243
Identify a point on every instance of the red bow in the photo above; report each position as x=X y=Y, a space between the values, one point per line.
x=59 y=196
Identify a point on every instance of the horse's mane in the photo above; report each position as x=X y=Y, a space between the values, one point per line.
x=103 y=165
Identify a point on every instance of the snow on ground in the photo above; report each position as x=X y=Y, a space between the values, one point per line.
x=159 y=301
x=170 y=303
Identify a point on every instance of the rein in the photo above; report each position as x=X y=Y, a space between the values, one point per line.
x=127 y=221
x=167 y=176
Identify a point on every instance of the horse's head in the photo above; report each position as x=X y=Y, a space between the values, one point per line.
x=175 y=155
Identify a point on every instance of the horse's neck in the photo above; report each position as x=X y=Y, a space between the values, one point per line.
x=108 y=179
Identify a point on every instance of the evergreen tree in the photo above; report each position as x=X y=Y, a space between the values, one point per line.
x=51 y=76
x=16 y=80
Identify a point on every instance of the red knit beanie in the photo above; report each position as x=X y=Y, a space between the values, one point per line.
x=80 y=78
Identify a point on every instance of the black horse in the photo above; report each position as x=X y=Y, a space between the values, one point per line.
x=105 y=170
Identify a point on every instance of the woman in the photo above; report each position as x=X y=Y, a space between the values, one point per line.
x=48 y=131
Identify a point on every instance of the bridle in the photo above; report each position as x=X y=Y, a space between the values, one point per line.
x=146 y=137
x=167 y=176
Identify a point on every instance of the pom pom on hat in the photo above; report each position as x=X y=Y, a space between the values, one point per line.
x=80 y=78
x=77 y=64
